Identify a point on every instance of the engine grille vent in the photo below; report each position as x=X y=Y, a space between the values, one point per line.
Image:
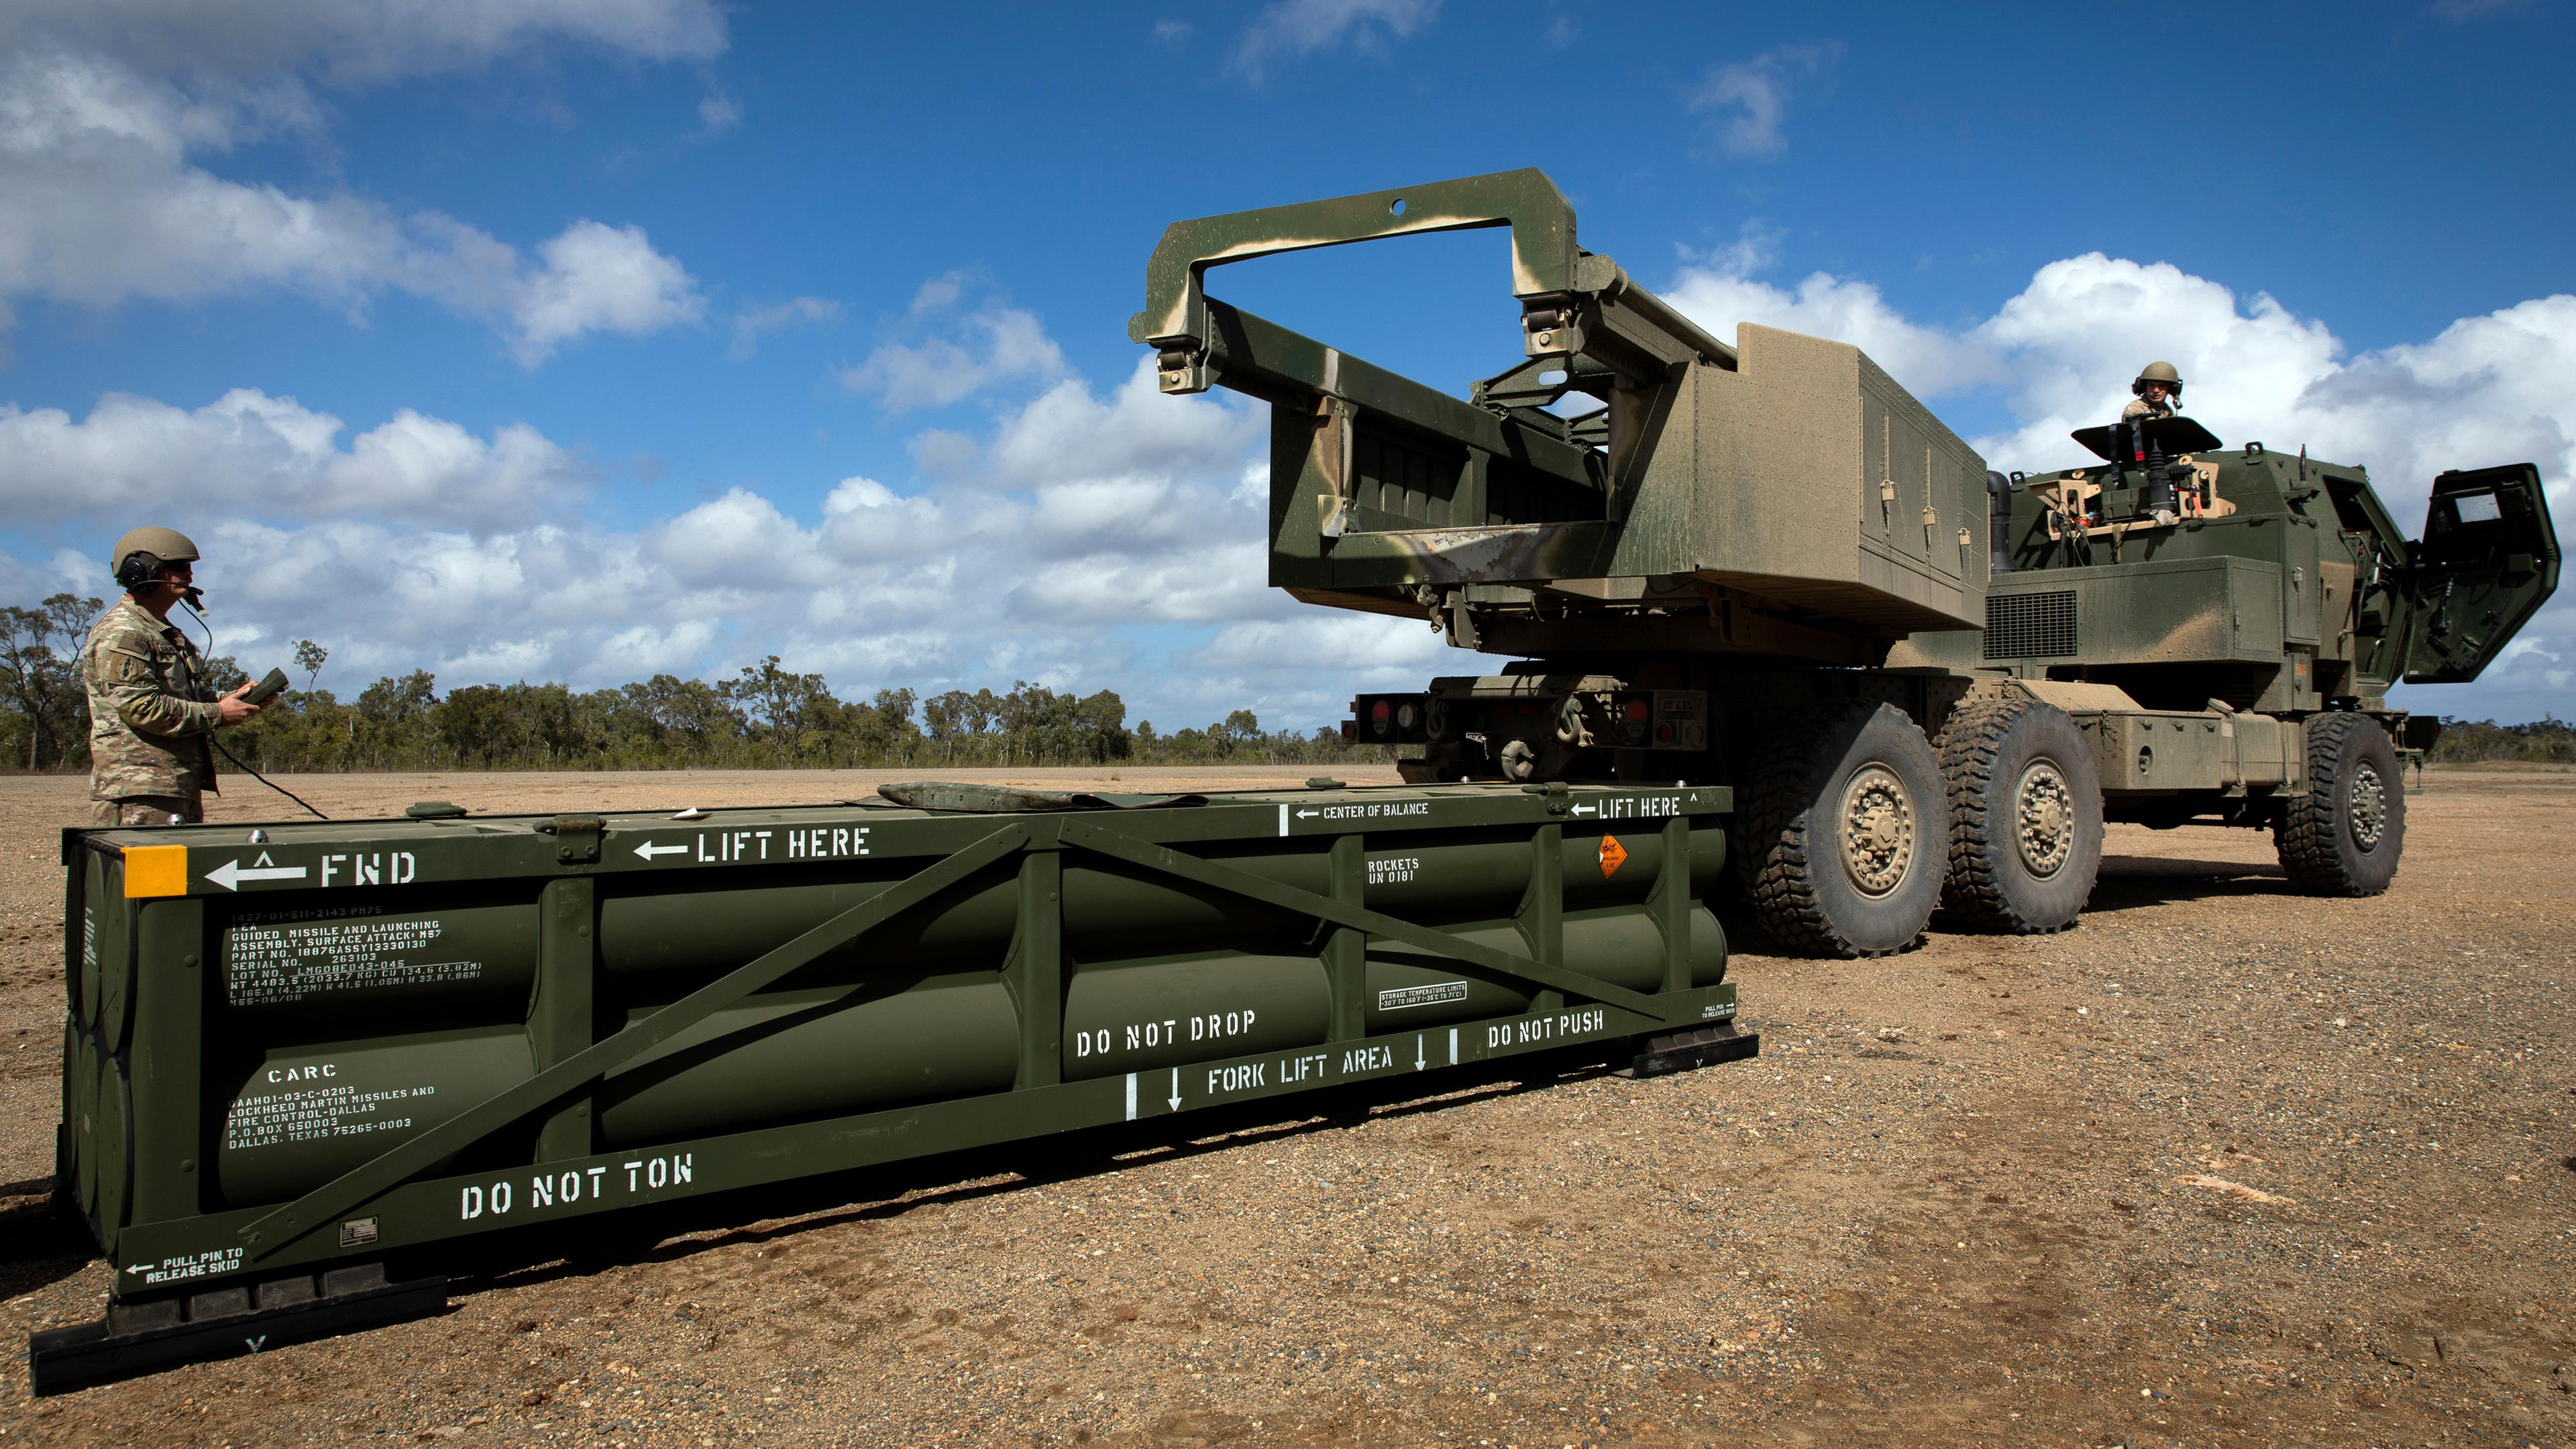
x=2030 y=626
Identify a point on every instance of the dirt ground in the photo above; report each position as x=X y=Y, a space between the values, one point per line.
x=2224 y=1165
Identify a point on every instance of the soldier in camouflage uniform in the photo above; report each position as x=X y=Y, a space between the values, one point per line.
x=2155 y=394
x=151 y=713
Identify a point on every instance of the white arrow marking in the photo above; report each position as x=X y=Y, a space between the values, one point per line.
x=1421 y=1055
x=1308 y=814
x=1176 y=1089
x=139 y=1268
x=256 y=1344
x=648 y=850
x=1586 y=810
x=231 y=873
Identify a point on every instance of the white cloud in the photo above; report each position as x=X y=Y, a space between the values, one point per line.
x=1090 y=517
x=357 y=42
x=109 y=111
x=2465 y=10
x=247 y=452
x=596 y=278
x=718 y=113
x=999 y=344
x=1718 y=294
x=1292 y=29
x=2081 y=330
x=1750 y=98
x=1068 y=434
x=1302 y=670
x=749 y=327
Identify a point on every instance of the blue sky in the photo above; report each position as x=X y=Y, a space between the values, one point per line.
x=580 y=339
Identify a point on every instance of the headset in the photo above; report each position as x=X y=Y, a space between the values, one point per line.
x=141 y=570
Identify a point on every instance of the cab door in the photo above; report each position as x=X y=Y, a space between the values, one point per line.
x=2488 y=561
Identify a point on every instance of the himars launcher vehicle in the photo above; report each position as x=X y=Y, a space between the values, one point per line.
x=1764 y=565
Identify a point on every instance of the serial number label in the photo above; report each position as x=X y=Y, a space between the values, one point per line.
x=308 y=1105
x=275 y=958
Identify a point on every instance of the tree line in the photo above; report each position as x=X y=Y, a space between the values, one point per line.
x=767 y=716
x=2548 y=740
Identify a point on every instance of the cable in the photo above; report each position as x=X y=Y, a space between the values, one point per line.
x=263 y=779
x=199 y=615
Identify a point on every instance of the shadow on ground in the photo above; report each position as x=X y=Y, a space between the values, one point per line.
x=2132 y=882
x=2127 y=883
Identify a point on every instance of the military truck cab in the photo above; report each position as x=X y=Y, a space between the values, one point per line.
x=2223 y=624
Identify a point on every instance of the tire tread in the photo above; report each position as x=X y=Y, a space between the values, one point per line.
x=1778 y=861
x=1967 y=746
x=2304 y=835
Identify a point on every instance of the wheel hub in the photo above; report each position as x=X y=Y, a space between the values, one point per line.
x=2043 y=819
x=2369 y=812
x=1877 y=829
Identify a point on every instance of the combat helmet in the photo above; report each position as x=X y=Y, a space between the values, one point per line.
x=140 y=554
x=2158 y=372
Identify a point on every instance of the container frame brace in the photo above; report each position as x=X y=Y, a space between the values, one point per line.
x=353 y=1189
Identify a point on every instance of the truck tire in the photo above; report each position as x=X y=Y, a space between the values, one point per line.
x=1843 y=829
x=2025 y=816
x=2343 y=837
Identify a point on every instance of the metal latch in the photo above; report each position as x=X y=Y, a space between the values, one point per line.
x=576 y=837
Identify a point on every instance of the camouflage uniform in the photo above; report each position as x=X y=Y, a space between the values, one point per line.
x=2141 y=408
x=151 y=718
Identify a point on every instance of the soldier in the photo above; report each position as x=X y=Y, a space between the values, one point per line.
x=2156 y=393
x=151 y=714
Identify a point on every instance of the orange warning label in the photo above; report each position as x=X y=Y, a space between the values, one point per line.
x=1613 y=856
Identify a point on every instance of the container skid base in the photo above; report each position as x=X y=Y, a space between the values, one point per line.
x=292 y=1059
x=225 y=1323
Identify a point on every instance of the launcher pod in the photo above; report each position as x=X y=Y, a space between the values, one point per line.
x=292 y=1052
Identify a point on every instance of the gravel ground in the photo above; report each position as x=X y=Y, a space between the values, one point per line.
x=2225 y=1165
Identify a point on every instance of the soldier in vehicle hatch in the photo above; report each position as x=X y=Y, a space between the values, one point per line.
x=151 y=756
x=2155 y=394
